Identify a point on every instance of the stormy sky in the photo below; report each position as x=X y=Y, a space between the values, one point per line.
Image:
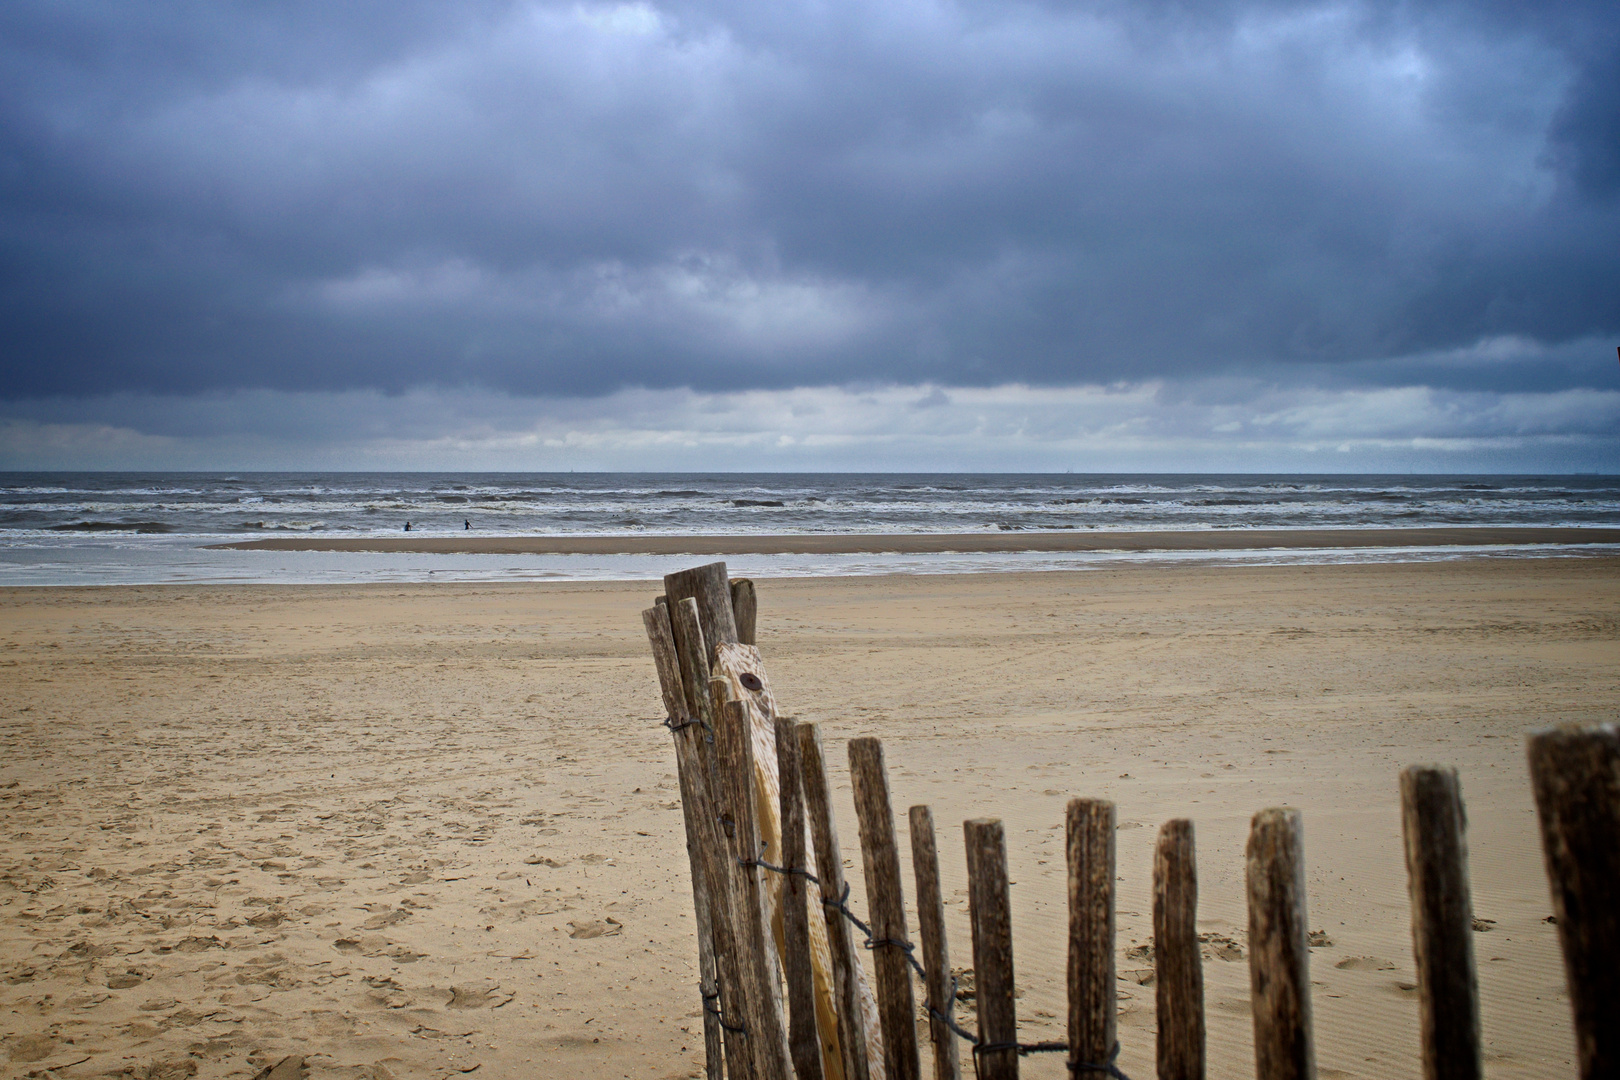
x=730 y=235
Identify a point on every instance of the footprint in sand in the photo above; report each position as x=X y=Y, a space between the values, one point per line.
x=387 y=993
x=288 y=1068
x=594 y=928
x=385 y=918
x=25 y=1048
x=478 y=995
x=1365 y=963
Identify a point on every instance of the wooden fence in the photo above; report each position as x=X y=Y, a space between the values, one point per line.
x=783 y=989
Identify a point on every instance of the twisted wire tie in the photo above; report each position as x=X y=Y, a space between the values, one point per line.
x=712 y=1007
x=677 y=726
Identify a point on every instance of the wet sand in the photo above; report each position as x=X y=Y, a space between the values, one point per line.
x=410 y=830
x=930 y=543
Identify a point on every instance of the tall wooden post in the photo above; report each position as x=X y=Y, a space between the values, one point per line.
x=1093 y=998
x=990 y=910
x=1279 y=948
x=896 y=1006
x=713 y=902
x=804 y=1040
x=830 y=868
x=766 y=1036
x=1435 y=829
x=1575 y=773
x=936 y=957
x=1178 y=966
x=656 y=619
x=745 y=609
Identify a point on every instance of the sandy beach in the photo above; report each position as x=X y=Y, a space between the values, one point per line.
x=929 y=543
x=433 y=830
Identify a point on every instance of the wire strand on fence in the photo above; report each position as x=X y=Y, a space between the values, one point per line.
x=677 y=726
x=908 y=949
x=711 y=1005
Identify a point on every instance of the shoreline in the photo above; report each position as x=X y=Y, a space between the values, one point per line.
x=941 y=543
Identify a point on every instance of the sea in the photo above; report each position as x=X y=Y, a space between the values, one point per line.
x=152 y=528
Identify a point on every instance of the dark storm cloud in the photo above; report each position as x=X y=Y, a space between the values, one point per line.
x=570 y=198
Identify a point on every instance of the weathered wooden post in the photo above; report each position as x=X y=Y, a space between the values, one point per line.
x=720 y=982
x=936 y=957
x=766 y=1036
x=881 y=855
x=804 y=1040
x=745 y=609
x=694 y=658
x=689 y=773
x=1575 y=772
x=1178 y=966
x=1093 y=999
x=1435 y=829
x=710 y=587
x=830 y=868
x=1279 y=948
x=990 y=910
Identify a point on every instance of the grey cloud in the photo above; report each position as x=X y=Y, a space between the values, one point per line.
x=569 y=199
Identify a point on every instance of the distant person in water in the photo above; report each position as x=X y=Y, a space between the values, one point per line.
x=466 y=524
x=407 y=526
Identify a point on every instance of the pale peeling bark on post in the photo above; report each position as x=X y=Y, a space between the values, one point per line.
x=693 y=798
x=1279 y=950
x=745 y=609
x=857 y=1055
x=931 y=929
x=742 y=672
x=763 y=883
x=881 y=857
x=1178 y=967
x=1575 y=772
x=990 y=912
x=1435 y=828
x=804 y=1042
x=1093 y=998
x=710 y=587
x=766 y=1034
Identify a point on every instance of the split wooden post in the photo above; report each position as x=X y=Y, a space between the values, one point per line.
x=1575 y=772
x=1279 y=947
x=1435 y=828
x=890 y=942
x=1093 y=998
x=694 y=655
x=804 y=1039
x=830 y=868
x=766 y=1037
x=712 y=887
x=1178 y=967
x=745 y=609
x=990 y=910
x=931 y=929
x=709 y=586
